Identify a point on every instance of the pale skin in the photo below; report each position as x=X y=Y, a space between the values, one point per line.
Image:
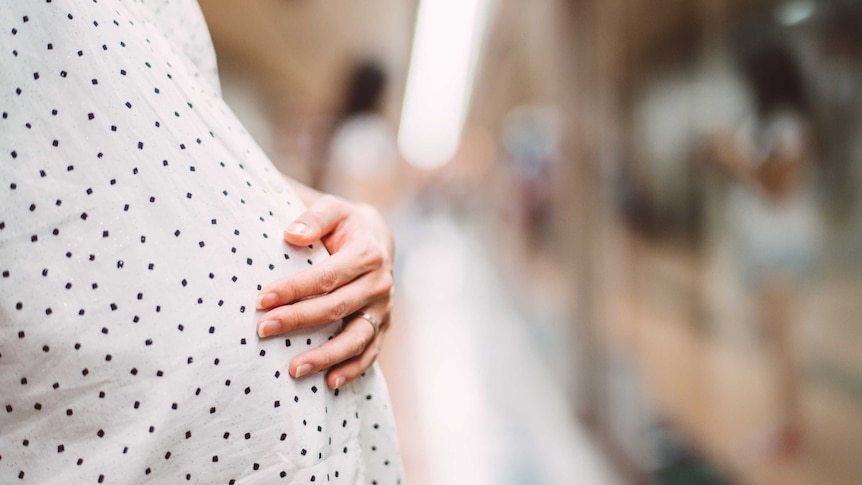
x=357 y=277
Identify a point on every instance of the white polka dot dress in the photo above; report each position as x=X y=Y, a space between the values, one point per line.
x=137 y=223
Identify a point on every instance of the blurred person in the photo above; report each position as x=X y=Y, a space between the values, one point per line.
x=774 y=219
x=363 y=155
x=138 y=233
x=530 y=137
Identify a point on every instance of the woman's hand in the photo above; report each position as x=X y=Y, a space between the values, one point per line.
x=356 y=278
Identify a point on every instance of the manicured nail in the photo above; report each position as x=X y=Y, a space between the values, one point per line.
x=339 y=381
x=266 y=300
x=298 y=228
x=267 y=328
x=302 y=370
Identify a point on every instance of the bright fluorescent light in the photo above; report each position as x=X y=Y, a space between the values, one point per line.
x=795 y=12
x=442 y=67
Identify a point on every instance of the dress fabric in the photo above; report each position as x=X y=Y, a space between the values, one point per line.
x=138 y=220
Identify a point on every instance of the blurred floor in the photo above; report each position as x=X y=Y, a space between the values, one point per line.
x=475 y=400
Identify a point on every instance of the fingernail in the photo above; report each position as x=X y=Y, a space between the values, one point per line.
x=266 y=300
x=302 y=370
x=339 y=381
x=267 y=328
x=298 y=228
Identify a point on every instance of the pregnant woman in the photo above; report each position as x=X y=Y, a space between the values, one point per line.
x=157 y=322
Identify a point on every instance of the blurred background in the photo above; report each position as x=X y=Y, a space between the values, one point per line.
x=629 y=231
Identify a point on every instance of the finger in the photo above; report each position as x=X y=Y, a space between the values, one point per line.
x=351 y=342
x=350 y=369
x=342 y=267
x=319 y=220
x=365 y=290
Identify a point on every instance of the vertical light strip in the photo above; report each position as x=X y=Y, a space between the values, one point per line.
x=443 y=61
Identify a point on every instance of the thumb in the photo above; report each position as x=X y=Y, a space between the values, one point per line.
x=319 y=220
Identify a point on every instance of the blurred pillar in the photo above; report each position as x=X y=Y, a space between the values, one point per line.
x=594 y=33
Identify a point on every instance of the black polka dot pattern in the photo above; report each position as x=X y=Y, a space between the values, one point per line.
x=133 y=239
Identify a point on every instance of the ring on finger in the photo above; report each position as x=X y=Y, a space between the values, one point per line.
x=370 y=319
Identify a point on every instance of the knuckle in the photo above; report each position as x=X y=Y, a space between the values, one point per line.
x=291 y=320
x=328 y=359
x=373 y=255
x=328 y=279
x=286 y=293
x=358 y=345
x=339 y=310
x=384 y=285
